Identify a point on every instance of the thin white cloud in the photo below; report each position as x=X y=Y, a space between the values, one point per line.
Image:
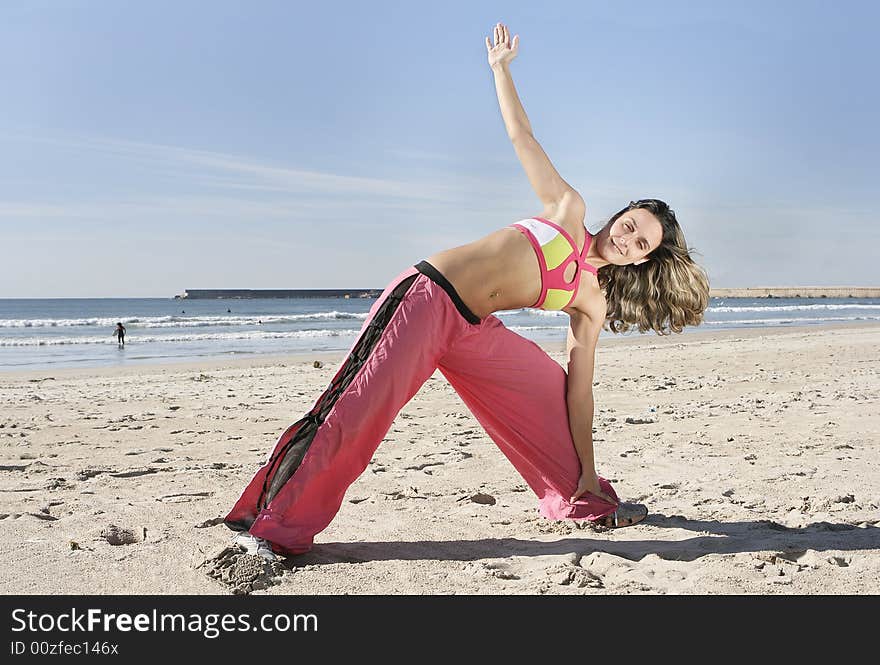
x=258 y=176
x=122 y=210
x=341 y=211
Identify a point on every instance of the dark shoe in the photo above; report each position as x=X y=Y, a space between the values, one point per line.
x=626 y=514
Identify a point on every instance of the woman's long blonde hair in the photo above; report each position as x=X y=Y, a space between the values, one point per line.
x=665 y=293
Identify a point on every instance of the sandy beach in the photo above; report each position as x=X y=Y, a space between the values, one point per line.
x=756 y=452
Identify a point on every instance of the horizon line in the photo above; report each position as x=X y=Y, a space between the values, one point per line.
x=712 y=292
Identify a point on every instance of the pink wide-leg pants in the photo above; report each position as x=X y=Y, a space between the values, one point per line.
x=513 y=388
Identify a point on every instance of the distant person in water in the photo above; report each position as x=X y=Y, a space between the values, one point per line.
x=119 y=333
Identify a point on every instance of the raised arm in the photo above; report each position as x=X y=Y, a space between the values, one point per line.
x=546 y=181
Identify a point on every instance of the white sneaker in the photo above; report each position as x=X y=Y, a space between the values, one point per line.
x=255 y=545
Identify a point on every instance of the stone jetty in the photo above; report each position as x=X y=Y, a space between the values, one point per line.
x=798 y=292
x=202 y=294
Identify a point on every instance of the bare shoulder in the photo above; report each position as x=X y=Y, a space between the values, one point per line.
x=569 y=212
x=589 y=306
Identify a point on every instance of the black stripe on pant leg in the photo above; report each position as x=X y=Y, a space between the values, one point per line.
x=288 y=459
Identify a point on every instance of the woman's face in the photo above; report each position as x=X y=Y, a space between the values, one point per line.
x=632 y=236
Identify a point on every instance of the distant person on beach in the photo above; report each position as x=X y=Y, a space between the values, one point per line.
x=119 y=333
x=636 y=272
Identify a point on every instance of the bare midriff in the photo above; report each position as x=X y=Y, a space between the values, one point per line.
x=497 y=272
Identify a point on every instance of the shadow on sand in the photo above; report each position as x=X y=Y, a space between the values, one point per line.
x=717 y=538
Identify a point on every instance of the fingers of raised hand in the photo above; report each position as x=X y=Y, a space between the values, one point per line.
x=501 y=39
x=501 y=36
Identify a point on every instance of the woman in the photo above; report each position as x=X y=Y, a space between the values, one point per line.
x=438 y=315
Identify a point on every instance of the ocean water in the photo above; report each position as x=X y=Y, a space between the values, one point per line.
x=74 y=332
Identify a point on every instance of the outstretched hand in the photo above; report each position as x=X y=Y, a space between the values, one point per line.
x=589 y=482
x=503 y=50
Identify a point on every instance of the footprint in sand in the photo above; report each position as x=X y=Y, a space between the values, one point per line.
x=451 y=456
x=134 y=473
x=649 y=574
x=241 y=572
x=116 y=535
x=801 y=560
x=500 y=569
x=575 y=576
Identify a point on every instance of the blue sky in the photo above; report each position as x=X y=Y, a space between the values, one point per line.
x=148 y=148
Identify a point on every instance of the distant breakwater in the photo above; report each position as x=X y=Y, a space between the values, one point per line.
x=798 y=292
x=203 y=294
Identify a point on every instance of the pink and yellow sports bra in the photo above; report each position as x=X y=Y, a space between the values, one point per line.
x=556 y=250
